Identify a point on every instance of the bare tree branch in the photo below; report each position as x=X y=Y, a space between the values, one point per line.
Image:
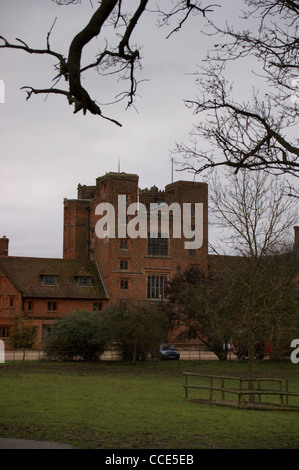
x=122 y=59
x=251 y=135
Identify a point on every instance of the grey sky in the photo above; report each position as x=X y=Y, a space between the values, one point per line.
x=46 y=150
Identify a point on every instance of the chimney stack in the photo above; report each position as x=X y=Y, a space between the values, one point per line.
x=4 y=242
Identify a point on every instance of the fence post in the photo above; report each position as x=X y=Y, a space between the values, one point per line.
x=211 y=389
x=186 y=387
x=259 y=388
x=240 y=392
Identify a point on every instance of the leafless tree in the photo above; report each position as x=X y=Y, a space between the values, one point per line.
x=256 y=134
x=257 y=219
x=121 y=59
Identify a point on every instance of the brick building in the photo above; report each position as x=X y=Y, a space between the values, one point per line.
x=133 y=269
x=43 y=289
x=98 y=270
x=95 y=271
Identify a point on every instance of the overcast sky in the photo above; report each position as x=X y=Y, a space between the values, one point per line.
x=46 y=150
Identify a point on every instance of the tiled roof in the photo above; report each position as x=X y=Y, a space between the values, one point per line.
x=26 y=275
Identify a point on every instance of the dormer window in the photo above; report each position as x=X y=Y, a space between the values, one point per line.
x=84 y=281
x=50 y=280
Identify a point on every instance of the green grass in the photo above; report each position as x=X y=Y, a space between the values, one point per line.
x=118 y=405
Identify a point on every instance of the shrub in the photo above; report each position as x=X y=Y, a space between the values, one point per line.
x=76 y=335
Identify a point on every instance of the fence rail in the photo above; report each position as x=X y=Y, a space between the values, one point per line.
x=186 y=354
x=250 y=397
x=110 y=355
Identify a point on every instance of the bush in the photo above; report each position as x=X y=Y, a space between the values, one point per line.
x=76 y=335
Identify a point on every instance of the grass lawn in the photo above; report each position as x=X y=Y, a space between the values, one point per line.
x=115 y=405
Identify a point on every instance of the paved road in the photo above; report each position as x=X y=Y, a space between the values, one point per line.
x=28 y=444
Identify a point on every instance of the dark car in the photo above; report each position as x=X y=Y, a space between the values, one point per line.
x=167 y=351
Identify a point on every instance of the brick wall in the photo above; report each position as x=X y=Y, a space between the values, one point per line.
x=39 y=312
x=76 y=238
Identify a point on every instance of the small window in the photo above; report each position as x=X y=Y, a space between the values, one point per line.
x=30 y=305
x=123 y=264
x=52 y=306
x=97 y=306
x=4 y=331
x=11 y=302
x=84 y=281
x=50 y=280
x=124 y=284
x=123 y=244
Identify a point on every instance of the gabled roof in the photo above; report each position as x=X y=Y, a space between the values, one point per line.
x=26 y=274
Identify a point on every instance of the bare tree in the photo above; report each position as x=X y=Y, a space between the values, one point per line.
x=256 y=134
x=121 y=59
x=256 y=219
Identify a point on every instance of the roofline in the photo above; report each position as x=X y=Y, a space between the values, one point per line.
x=13 y=283
x=33 y=296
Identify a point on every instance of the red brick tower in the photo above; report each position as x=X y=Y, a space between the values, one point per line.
x=114 y=255
x=77 y=222
x=134 y=269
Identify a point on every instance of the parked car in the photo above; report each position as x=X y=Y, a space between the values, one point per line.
x=166 y=351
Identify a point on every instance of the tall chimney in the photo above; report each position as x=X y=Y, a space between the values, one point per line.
x=4 y=242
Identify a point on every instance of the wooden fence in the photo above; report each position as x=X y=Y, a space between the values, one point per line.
x=217 y=390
